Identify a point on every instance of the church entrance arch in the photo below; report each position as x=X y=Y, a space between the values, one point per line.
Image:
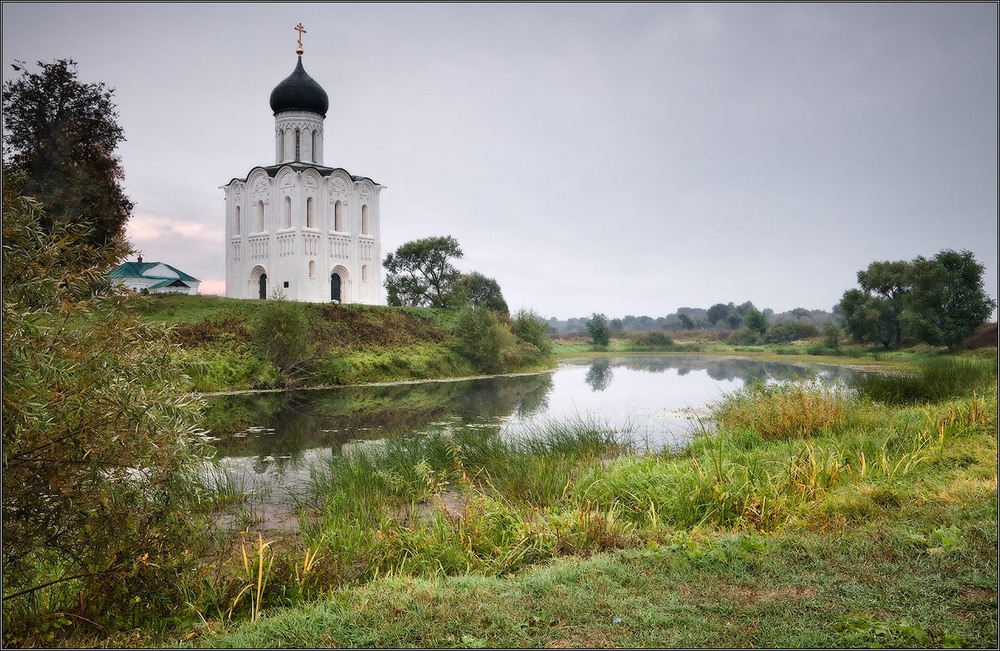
x=258 y=277
x=338 y=285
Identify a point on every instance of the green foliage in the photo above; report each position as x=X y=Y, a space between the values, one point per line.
x=941 y=301
x=531 y=328
x=485 y=339
x=650 y=341
x=755 y=320
x=937 y=379
x=420 y=273
x=478 y=292
x=62 y=134
x=719 y=312
x=948 y=301
x=599 y=330
x=831 y=335
x=97 y=437
x=790 y=330
x=281 y=332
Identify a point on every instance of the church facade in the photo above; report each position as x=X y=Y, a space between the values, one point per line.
x=298 y=229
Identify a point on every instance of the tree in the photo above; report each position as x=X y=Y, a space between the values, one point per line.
x=755 y=320
x=947 y=301
x=599 y=329
x=62 y=134
x=940 y=301
x=96 y=430
x=868 y=318
x=420 y=273
x=531 y=328
x=478 y=292
x=719 y=311
x=874 y=312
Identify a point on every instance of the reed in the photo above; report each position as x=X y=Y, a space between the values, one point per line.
x=936 y=379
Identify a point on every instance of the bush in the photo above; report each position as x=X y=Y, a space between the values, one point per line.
x=599 y=329
x=650 y=340
x=790 y=331
x=281 y=332
x=531 y=328
x=485 y=340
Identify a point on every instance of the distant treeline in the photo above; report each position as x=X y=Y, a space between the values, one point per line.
x=721 y=316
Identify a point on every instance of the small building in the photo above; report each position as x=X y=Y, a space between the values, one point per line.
x=155 y=278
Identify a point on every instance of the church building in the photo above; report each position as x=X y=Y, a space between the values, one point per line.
x=298 y=229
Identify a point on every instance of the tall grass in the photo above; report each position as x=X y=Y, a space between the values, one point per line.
x=936 y=379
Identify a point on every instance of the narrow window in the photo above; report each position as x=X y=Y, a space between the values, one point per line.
x=288 y=212
x=337 y=224
x=236 y=230
x=298 y=145
x=281 y=145
x=260 y=216
x=315 y=143
x=262 y=287
x=309 y=213
x=364 y=273
x=312 y=269
x=364 y=220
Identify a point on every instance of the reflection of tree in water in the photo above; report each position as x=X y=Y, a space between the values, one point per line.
x=729 y=368
x=599 y=375
x=278 y=428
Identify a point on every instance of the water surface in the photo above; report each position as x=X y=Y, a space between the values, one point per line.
x=268 y=441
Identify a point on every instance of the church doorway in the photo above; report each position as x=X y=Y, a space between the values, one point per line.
x=335 y=287
x=262 y=284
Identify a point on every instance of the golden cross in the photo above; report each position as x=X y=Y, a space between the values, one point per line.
x=301 y=30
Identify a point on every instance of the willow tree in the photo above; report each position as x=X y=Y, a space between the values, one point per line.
x=96 y=434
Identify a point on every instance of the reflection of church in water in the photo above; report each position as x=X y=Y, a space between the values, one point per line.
x=299 y=228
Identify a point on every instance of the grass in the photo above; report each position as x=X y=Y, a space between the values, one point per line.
x=805 y=517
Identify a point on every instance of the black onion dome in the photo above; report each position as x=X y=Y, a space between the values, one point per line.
x=299 y=92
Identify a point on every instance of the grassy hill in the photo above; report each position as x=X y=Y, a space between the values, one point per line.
x=232 y=344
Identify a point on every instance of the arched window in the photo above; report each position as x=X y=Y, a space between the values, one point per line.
x=262 y=287
x=236 y=229
x=312 y=268
x=315 y=143
x=364 y=273
x=338 y=225
x=298 y=145
x=260 y=216
x=364 y=220
x=281 y=145
x=309 y=213
x=288 y=212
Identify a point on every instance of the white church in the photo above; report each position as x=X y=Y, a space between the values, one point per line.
x=299 y=229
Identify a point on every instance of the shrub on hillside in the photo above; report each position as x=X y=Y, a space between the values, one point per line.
x=485 y=340
x=531 y=328
x=281 y=332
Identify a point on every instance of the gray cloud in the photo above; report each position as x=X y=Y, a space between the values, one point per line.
x=624 y=158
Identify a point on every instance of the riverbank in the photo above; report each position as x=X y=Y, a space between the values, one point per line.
x=808 y=519
x=230 y=345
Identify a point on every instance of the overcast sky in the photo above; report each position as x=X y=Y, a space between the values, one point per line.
x=615 y=158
